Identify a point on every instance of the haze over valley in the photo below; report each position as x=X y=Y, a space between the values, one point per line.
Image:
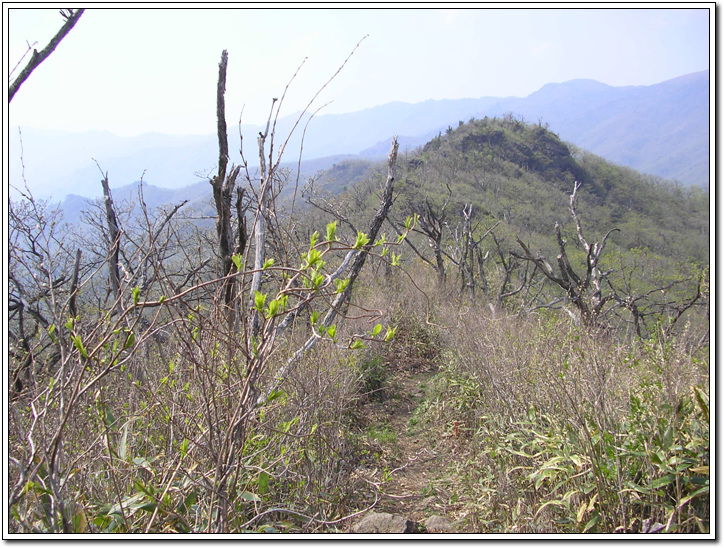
x=662 y=129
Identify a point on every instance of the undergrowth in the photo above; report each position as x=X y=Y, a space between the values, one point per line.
x=569 y=431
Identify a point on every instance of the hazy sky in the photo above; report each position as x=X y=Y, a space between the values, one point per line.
x=132 y=71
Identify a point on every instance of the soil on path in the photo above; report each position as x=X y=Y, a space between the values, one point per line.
x=410 y=459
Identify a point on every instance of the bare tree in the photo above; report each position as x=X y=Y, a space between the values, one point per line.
x=598 y=297
x=223 y=189
x=71 y=18
x=584 y=291
x=507 y=265
x=431 y=222
x=466 y=252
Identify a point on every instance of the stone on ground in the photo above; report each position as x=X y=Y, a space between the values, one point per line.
x=439 y=524
x=385 y=524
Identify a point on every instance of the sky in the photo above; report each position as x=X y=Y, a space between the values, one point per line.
x=133 y=71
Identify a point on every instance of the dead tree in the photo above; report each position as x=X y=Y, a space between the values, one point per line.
x=431 y=224
x=506 y=268
x=585 y=291
x=656 y=304
x=223 y=189
x=467 y=252
x=71 y=18
x=114 y=242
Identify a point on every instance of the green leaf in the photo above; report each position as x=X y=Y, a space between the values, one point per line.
x=668 y=439
x=79 y=345
x=581 y=512
x=143 y=462
x=259 y=300
x=592 y=502
x=550 y=503
x=184 y=447
x=332 y=331
x=569 y=494
x=357 y=344
x=362 y=240
x=313 y=258
x=542 y=475
x=108 y=417
x=187 y=503
x=521 y=454
x=275 y=394
x=314 y=238
x=331 y=231
x=376 y=329
x=703 y=400
x=317 y=279
x=390 y=333
x=695 y=494
x=341 y=284
x=638 y=488
x=136 y=294
x=274 y=307
x=263 y=482
x=591 y=523
x=268 y=264
x=661 y=482
x=552 y=462
x=130 y=340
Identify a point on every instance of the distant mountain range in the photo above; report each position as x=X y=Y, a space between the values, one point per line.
x=661 y=129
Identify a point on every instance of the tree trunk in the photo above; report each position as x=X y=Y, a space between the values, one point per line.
x=114 y=237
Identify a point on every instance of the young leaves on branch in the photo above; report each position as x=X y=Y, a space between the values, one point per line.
x=331 y=231
x=362 y=240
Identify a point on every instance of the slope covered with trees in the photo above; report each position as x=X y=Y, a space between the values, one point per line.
x=523 y=173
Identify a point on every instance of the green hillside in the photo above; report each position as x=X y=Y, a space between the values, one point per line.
x=523 y=174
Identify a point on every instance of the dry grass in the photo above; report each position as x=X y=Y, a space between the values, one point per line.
x=571 y=430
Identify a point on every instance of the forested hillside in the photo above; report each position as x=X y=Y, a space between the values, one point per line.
x=522 y=175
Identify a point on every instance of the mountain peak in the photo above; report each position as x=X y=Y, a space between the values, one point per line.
x=583 y=84
x=573 y=88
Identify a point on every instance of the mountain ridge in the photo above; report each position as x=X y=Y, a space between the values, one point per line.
x=621 y=123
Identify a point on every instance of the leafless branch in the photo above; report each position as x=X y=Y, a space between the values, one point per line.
x=71 y=18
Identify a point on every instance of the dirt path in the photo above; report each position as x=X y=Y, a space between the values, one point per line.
x=409 y=462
